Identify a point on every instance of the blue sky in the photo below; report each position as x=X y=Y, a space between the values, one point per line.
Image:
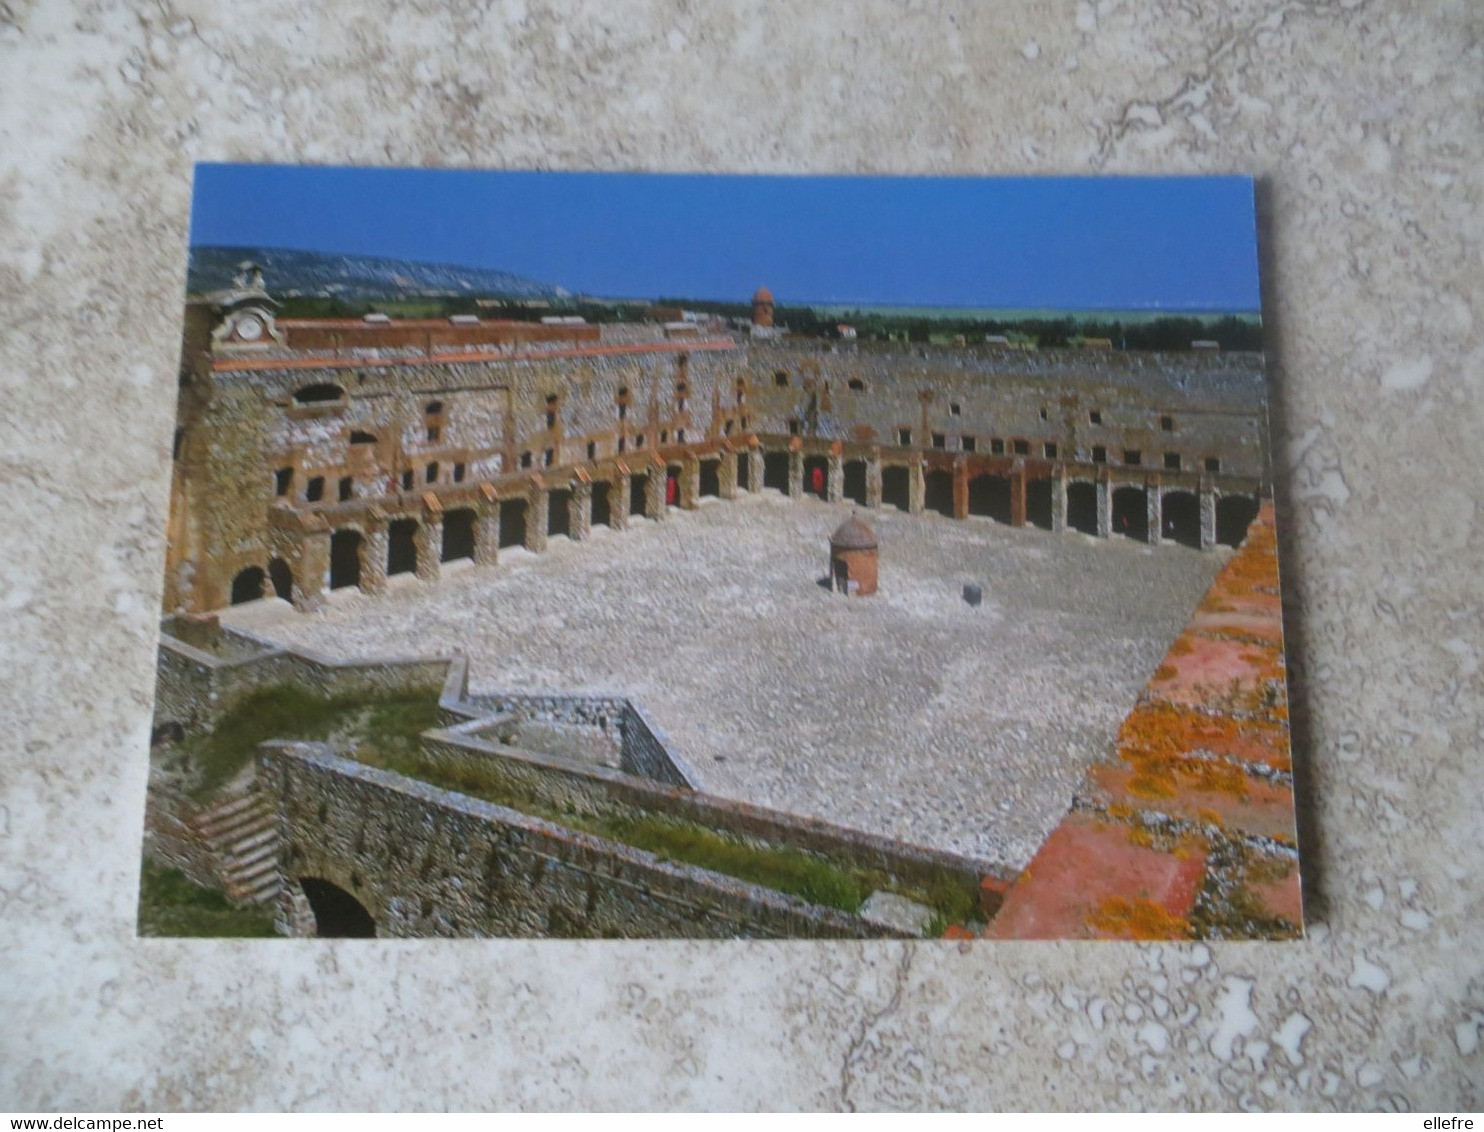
x=1068 y=243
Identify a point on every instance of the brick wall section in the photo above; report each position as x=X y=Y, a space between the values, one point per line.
x=1186 y=831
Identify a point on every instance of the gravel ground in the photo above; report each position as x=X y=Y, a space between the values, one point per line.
x=908 y=714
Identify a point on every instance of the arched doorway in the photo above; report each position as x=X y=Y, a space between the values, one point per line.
x=896 y=488
x=1038 y=503
x=602 y=507
x=1082 y=507
x=672 y=485
x=337 y=914
x=854 y=485
x=1131 y=513
x=345 y=559
x=1180 y=518
x=1234 y=514
x=775 y=471
x=817 y=476
x=744 y=472
x=248 y=585
x=512 y=523
x=458 y=534
x=990 y=496
x=638 y=495
x=401 y=547
x=282 y=578
x=559 y=513
x=710 y=478
x=937 y=492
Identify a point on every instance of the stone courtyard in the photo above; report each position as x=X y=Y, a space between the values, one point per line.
x=908 y=714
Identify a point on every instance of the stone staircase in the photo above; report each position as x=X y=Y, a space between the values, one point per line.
x=242 y=833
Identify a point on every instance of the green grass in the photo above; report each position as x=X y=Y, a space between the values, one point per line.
x=282 y=711
x=171 y=906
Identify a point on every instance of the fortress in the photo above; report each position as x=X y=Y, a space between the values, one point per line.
x=323 y=455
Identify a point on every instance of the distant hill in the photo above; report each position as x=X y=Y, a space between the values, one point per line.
x=289 y=272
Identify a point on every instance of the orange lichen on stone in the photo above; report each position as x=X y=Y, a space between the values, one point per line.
x=1120 y=918
x=957 y=931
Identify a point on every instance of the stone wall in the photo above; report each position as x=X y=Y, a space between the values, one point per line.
x=426 y=862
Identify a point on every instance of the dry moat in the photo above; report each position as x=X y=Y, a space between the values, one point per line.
x=908 y=714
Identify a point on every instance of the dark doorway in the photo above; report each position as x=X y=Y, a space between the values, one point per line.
x=672 y=486
x=638 y=495
x=990 y=496
x=1038 y=503
x=337 y=914
x=710 y=478
x=401 y=547
x=1082 y=507
x=458 y=534
x=1180 y=518
x=744 y=472
x=345 y=559
x=1234 y=514
x=817 y=476
x=854 y=486
x=775 y=471
x=282 y=578
x=937 y=492
x=602 y=505
x=512 y=523
x=248 y=585
x=559 y=513
x=1131 y=513
x=896 y=489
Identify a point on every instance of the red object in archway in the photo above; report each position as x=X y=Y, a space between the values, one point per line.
x=816 y=481
x=672 y=491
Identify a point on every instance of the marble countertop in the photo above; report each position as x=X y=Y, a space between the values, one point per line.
x=1363 y=122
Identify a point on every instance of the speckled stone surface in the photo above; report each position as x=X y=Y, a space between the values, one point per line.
x=1364 y=122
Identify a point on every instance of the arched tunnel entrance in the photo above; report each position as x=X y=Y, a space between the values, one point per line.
x=345 y=559
x=816 y=476
x=512 y=523
x=638 y=495
x=247 y=585
x=710 y=479
x=1082 y=507
x=775 y=471
x=896 y=490
x=855 y=481
x=337 y=914
x=1234 y=514
x=458 y=534
x=1131 y=513
x=282 y=578
x=937 y=492
x=1038 y=504
x=990 y=496
x=401 y=547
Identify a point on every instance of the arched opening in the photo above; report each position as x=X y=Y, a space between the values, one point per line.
x=638 y=495
x=937 y=492
x=1180 y=518
x=990 y=496
x=775 y=471
x=458 y=534
x=282 y=578
x=1234 y=514
x=1038 y=503
x=319 y=394
x=744 y=472
x=512 y=523
x=247 y=585
x=559 y=512
x=816 y=476
x=401 y=547
x=337 y=914
x=896 y=488
x=602 y=505
x=710 y=478
x=345 y=559
x=672 y=485
x=1131 y=513
x=1082 y=507
x=854 y=485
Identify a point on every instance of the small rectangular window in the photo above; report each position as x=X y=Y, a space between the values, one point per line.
x=407 y=481
x=727 y=428
x=592 y=450
x=431 y=472
x=622 y=445
x=967 y=443
x=793 y=428
x=623 y=412
x=1022 y=448
x=525 y=459
x=1094 y=416
x=1166 y=424
x=283 y=479
x=939 y=440
x=1043 y=414
x=1213 y=464
x=996 y=446
x=639 y=441
x=1099 y=454
x=549 y=458
x=1050 y=449
x=680 y=436
x=954 y=409
x=458 y=473
x=550 y=419
x=780 y=379
x=904 y=436
x=434 y=432
x=1133 y=457
x=1172 y=461
x=315 y=490
x=347 y=488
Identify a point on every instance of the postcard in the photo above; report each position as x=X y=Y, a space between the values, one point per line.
x=657 y=556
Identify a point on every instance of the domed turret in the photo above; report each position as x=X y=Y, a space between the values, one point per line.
x=853 y=558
